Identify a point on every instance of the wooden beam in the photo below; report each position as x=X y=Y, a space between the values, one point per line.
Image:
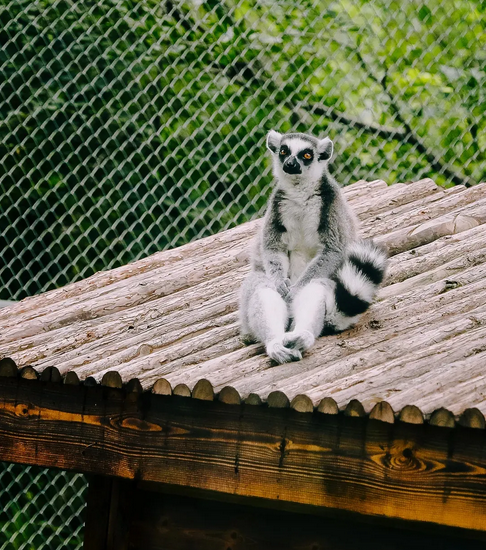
x=108 y=506
x=417 y=472
x=162 y=522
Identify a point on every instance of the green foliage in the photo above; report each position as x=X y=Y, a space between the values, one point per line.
x=40 y=508
x=128 y=127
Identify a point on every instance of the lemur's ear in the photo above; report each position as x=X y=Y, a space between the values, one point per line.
x=273 y=141
x=325 y=149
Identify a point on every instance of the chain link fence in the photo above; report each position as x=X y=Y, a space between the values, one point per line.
x=128 y=127
x=41 y=509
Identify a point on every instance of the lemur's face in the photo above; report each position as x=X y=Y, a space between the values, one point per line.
x=299 y=156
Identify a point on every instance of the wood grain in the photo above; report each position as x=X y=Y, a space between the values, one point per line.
x=173 y=522
x=173 y=316
x=414 y=472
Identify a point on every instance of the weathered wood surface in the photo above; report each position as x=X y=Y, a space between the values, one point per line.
x=174 y=315
x=278 y=456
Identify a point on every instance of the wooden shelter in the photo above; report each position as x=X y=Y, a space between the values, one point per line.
x=376 y=439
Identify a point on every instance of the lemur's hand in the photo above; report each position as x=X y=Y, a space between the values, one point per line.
x=283 y=286
x=292 y=292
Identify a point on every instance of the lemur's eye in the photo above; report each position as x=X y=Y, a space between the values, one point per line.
x=283 y=151
x=307 y=156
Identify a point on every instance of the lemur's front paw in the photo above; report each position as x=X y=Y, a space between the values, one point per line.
x=293 y=290
x=300 y=340
x=283 y=287
x=281 y=354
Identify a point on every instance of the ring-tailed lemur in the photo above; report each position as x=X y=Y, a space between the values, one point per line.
x=311 y=273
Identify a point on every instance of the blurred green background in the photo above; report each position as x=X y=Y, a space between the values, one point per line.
x=128 y=127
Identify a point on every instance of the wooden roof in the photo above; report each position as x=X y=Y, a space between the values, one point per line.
x=170 y=320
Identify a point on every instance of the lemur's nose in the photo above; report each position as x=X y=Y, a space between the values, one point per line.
x=291 y=166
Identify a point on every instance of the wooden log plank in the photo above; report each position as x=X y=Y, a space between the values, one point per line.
x=396 y=351
x=394 y=335
x=182 y=390
x=111 y=379
x=118 y=299
x=444 y=271
x=354 y=409
x=154 y=362
x=84 y=290
x=365 y=189
x=34 y=307
x=407 y=213
x=424 y=368
x=203 y=390
x=402 y=471
x=371 y=373
x=427 y=208
x=92 y=337
x=328 y=406
x=160 y=349
x=301 y=403
x=62 y=312
x=162 y=387
x=411 y=414
x=71 y=378
x=32 y=354
x=397 y=195
x=424 y=233
x=51 y=374
x=29 y=373
x=109 y=351
x=278 y=400
x=253 y=400
x=135 y=318
x=8 y=368
x=133 y=386
x=382 y=412
x=442 y=417
x=229 y=396
x=472 y=418
x=419 y=260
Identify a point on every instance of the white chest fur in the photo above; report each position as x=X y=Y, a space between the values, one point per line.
x=301 y=216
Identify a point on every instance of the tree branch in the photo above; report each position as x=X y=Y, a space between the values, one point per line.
x=247 y=72
x=340 y=117
x=410 y=136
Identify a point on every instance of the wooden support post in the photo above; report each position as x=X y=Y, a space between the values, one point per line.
x=98 y=505
x=108 y=512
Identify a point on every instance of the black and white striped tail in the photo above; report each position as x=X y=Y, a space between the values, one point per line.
x=357 y=282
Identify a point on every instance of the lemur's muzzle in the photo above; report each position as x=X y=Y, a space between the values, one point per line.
x=292 y=166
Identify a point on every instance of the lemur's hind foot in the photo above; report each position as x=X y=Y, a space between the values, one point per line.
x=247 y=339
x=300 y=340
x=281 y=354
